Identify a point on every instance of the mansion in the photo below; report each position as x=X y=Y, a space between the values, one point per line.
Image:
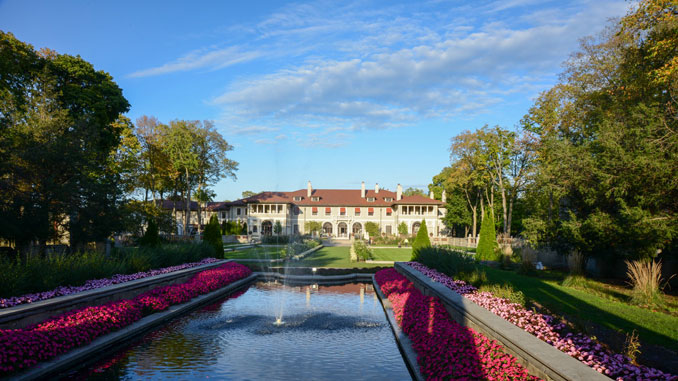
x=341 y=213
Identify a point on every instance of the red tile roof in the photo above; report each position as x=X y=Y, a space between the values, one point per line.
x=338 y=197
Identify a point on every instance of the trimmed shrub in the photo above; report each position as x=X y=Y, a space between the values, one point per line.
x=402 y=228
x=212 y=236
x=420 y=241
x=151 y=237
x=453 y=263
x=372 y=228
x=487 y=243
x=362 y=251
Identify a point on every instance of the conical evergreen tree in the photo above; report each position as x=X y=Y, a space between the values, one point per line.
x=151 y=237
x=488 y=240
x=212 y=236
x=420 y=241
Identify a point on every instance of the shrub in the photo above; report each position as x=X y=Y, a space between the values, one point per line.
x=487 y=243
x=453 y=263
x=647 y=283
x=312 y=227
x=420 y=241
x=402 y=228
x=37 y=274
x=212 y=236
x=372 y=228
x=151 y=237
x=277 y=228
x=362 y=251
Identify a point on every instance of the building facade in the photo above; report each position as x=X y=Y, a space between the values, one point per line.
x=341 y=213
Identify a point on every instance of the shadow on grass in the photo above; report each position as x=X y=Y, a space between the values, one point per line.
x=609 y=320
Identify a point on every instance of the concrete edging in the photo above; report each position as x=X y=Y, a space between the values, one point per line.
x=540 y=358
x=319 y=279
x=404 y=343
x=77 y=356
x=24 y=315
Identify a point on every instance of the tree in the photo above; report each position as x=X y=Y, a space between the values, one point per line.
x=277 y=228
x=58 y=133
x=421 y=241
x=402 y=228
x=197 y=153
x=246 y=194
x=606 y=140
x=411 y=191
x=212 y=235
x=150 y=237
x=487 y=243
x=312 y=227
x=203 y=196
x=372 y=228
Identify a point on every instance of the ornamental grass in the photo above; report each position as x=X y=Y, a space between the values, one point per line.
x=23 y=348
x=552 y=331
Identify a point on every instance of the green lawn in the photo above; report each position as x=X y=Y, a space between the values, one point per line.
x=337 y=256
x=394 y=254
x=581 y=307
x=256 y=253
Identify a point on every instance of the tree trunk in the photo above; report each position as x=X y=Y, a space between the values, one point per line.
x=503 y=206
x=510 y=215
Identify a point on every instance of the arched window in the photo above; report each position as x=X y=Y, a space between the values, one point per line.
x=327 y=228
x=342 y=229
x=267 y=228
x=357 y=230
x=415 y=227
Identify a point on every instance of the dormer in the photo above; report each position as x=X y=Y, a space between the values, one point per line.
x=315 y=198
x=298 y=198
x=371 y=199
x=388 y=199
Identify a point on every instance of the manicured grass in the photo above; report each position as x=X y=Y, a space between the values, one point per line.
x=337 y=256
x=394 y=254
x=581 y=307
x=256 y=253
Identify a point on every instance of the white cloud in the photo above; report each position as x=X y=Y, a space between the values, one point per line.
x=210 y=58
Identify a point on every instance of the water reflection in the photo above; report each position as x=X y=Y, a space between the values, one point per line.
x=327 y=333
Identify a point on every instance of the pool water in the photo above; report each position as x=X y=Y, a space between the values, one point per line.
x=324 y=333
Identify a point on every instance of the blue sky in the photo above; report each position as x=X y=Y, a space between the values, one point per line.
x=332 y=92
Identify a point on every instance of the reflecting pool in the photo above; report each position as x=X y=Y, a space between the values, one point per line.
x=269 y=332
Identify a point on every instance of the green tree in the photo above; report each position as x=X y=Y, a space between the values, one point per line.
x=402 y=228
x=372 y=228
x=150 y=237
x=411 y=191
x=421 y=240
x=58 y=133
x=212 y=235
x=197 y=153
x=487 y=242
x=277 y=228
x=312 y=227
x=606 y=142
x=247 y=193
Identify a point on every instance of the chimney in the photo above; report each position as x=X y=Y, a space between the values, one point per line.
x=399 y=192
x=430 y=194
x=362 y=190
x=376 y=188
x=309 y=190
x=444 y=197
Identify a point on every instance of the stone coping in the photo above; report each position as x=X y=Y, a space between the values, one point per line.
x=280 y=260
x=404 y=342
x=540 y=358
x=236 y=248
x=109 y=342
x=319 y=279
x=23 y=315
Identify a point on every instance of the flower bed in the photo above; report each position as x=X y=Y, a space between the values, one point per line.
x=96 y=283
x=445 y=349
x=548 y=329
x=23 y=348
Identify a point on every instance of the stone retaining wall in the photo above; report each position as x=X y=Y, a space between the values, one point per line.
x=540 y=358
x=26 y=314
